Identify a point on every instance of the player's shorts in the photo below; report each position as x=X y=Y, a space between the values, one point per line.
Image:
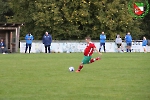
x=86 y=59
x=118 y=45
x=102 y=44
x=128 y=44
x=28 y=45
x=144 y=47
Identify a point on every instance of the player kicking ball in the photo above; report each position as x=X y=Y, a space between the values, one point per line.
x=90 y=48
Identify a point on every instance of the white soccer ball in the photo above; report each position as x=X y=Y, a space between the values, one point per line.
x=71 y=69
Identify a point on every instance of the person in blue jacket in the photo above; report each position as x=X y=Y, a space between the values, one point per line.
x=128 y=39
x=29 y=38
x=47 y=40
x=2 y=47
x=144 y=43
x=102 y=41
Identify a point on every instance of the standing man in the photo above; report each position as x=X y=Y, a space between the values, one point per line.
x=128 y=40
x=102 y=41
x=144 y=43
x=47 y=40
x=29 y=39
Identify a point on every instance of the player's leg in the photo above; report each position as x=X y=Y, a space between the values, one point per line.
x=100 y=47
x=130 y=47
x=144 y=47
x=3 y=50
x=84 y=61
x=29 y=48
x=26 y=48
x=45 y=48
x=121 y=46
x=80 y=67
x=118 y=48
x=104 y=47
x=94 y=59
x=87 y=60
x=127 y=47
x=49 y=49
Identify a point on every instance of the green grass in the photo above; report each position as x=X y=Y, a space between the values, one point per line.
x=46 y=77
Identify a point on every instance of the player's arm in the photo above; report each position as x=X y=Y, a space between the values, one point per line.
x=97 y=51
x=105 y=37
x=32 y=37
x=26 y=37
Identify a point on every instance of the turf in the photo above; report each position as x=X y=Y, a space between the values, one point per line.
x=117 y=76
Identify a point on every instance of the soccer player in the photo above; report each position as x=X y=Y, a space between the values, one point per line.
x=102 y=41
x=90 y=48
x=128 y=40
x=144 y=43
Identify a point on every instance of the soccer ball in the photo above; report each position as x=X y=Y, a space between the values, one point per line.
x=71 y=69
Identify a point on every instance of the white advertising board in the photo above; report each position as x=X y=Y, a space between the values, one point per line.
x=38 y=47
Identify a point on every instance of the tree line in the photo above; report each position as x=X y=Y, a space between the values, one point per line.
x=74 y=19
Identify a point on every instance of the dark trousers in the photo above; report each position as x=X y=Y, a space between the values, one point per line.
x=47 y=47
x=2 y=50
x=28 y=45
x=102 y=44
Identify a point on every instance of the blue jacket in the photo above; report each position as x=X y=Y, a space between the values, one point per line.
x=29 y=39
x=128 y=38
x=2 y=44
x=144 y=42
x=102 y=38
x=47 y=39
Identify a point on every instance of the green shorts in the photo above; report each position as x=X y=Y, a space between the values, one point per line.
x=86 y=59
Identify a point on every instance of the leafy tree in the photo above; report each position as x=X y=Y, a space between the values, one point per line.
x=75 y=19
x=146 y=25
x=5 y=11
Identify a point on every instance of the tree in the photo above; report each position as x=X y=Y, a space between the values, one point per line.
x=146 y=25
x=75 y=19
x=5 y=11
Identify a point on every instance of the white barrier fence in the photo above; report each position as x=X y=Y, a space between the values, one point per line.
x=77 y=46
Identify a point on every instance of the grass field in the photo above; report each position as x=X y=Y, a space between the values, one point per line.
x=118 y=76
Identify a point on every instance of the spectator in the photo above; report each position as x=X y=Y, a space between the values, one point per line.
x=128 y=40
x=102 y=41
x=47 y=40
x=118 y=41
x=2 y=47
x=29 y=38
x=144 y=43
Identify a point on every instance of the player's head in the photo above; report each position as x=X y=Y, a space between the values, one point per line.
x=46 y=33
x=29 y=33
x=87 y=39
x=102 y=32
x=128 y=33
x=1 y=40
x=118 y=36
x=144 y=38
